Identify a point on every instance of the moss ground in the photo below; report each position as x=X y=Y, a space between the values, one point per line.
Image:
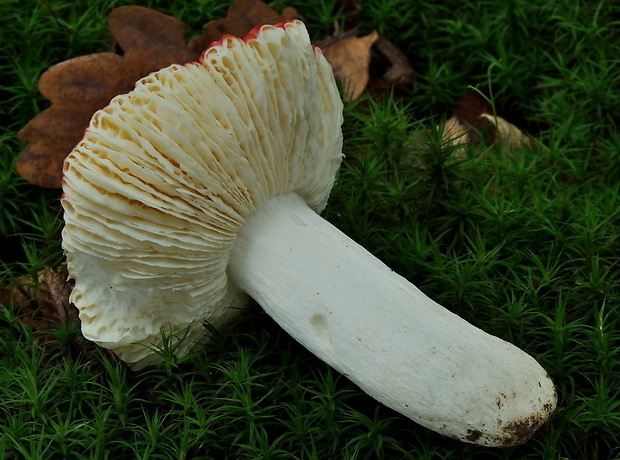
x=524 y=244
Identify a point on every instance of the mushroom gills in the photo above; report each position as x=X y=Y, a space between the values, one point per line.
x=383 y=333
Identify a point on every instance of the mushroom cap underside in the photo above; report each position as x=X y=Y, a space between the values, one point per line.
x=157 y=190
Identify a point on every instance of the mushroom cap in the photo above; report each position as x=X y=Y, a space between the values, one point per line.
x=157 y=190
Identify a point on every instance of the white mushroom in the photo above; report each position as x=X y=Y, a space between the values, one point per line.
x=203 y=186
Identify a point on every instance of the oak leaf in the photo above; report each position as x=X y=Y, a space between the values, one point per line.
x=77 y=88
x=242 y=16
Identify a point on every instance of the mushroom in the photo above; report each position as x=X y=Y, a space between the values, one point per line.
x=202 y=187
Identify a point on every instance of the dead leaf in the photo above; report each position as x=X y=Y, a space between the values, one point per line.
x=43 y=306
x=467 y=111
x=77 y=88
x=508 y=134
x=242 y=16
x=473 y=115
x=349 y=56
x=352 y=58
x=399 y=72
x=454 y=133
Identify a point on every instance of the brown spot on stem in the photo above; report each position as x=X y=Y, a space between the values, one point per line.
x=473 y=435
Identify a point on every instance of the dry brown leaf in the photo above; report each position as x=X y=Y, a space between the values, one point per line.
x=473 y=122
x=508 y=134
x=467 y=111
x=474 y=115
x=454 y=133
x=242 y=16
x=43 y=306
x=399 y=71
x=350 y=59
x=77 y=88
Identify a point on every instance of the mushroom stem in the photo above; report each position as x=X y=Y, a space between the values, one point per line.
x=383 y=333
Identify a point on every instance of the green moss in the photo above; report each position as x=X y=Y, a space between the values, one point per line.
x=524 y=244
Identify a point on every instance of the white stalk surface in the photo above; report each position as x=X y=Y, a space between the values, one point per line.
x=372 y=325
